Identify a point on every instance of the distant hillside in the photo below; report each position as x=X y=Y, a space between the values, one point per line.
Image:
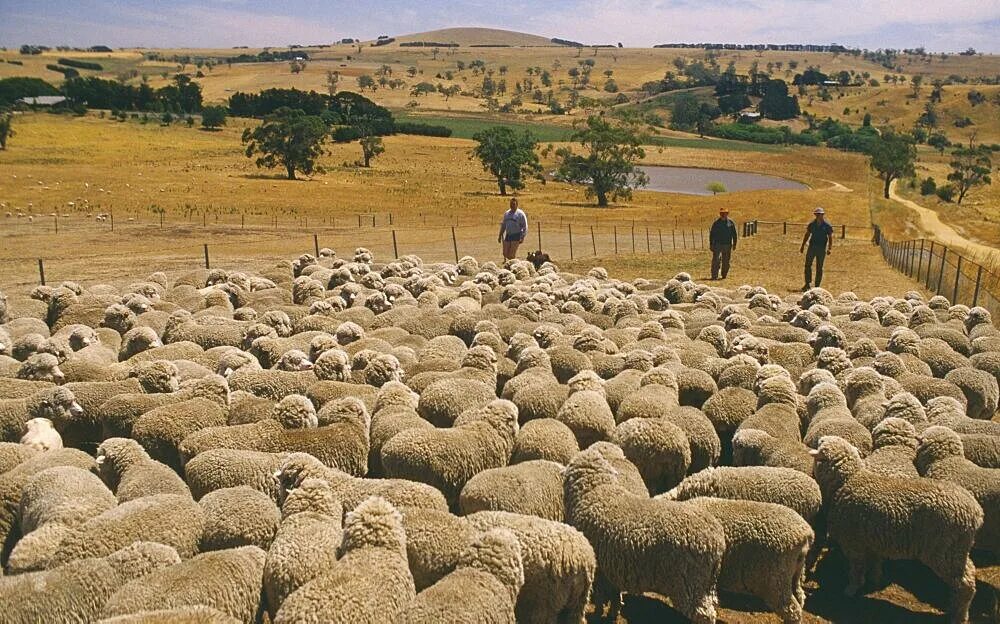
x=475 y=36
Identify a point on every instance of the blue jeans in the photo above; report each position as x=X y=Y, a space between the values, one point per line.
x=818 y=255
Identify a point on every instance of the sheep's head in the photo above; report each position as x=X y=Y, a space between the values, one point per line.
x=824 y=395
x=827 y=336
x=942 y=409
x=889 y=364
x=937 y=443
x=157 y=376
x=234 y=360
x=836 y=462
x=313 y=495
x=374 y=523
x=862 y=348
x=41 y=367
x=590 y=469
x=346 y=410
x=810 y=378
x=38 y=433
x=978 y=316
x=137 y=340
x=906 y=406
x=639 y=359
x=294 y=360
x=778 y=389
x=279 y=320
x=212 y=387
x=395 y=394
x=295 y=412
x=660 y=376
x=862 y=382
x=295 y=469
x=894 y=432
x=586 y=380
x=80 y=338
x=716 y=336
x=834 y=359
x=533 y=357
x=333 y=365
x=382 y=368
x=115 y=456
x=320 y=344
x=518 y=343
x=348 y=332
x=481 y=358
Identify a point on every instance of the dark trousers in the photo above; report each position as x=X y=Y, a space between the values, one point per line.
x=720 y=258
x=817 y=254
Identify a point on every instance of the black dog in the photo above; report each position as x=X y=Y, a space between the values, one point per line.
x=538 y=258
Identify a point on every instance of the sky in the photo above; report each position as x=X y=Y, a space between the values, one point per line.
x=937 y=25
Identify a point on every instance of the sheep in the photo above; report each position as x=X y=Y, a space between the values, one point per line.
x=900 y=518
x=894 y=447
x=829 y=415
x=585 y=411
x=40 y=434
x=980 y=389
x=161 y=431
x=483 y=586
x=41 y=367
x=940 y=456
x=679 y=553
x=755 y=447
x=481 y=438
x=370 y=582
x=766 y=548
x=434 y=541
x=13 y=454
x=56 y=404
x=119 y=414
x=170 y=519
x=131 y=473
x=765 y=484
x=352 y=490
x=443 y=401
x=658 y=448
x=78 y=591
x=544 y=438
x=222 y=468
x=238 y=516
x=532 y=488
x=273 y=384
x=186 y=614
x=949 y=412
x=305 y=543
x=227 y=580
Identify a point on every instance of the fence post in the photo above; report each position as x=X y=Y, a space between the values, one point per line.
x=41 y=271
x=316 y=244
x=112 y=215
x=784 y=227
x=843 y=231
x=958 y=276
x=920 y=259
x=570 y=226
x=684 y=240
x=701 y=237
x=395 y=250
x=593 y=240
x=373 y=219
x=539 y=236
x=55 y=218
x=673 y=239
x=633 y=236
x=930 y=260
x=647 y=240
x=616 y=240
x=242 y=220
x=975 y=294
x=390 y=218
x=206 y=256
x=454 y=242
x=913 y=249
x=359 y=220
x=944 y=254
x=660 y=233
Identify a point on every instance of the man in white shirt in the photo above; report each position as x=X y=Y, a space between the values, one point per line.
x=513 y=229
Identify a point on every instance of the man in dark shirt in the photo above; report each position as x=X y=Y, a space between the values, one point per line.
x=819 y=235
x=722 y=242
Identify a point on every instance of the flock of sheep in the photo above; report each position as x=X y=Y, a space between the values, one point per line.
x=341 y=440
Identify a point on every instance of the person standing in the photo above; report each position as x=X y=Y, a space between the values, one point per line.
x=513 y=229
x=819 y=236
x=722 y=242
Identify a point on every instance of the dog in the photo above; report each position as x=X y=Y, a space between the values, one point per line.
x=538 y=258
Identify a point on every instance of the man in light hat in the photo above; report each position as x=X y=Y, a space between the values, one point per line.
x=819 y=235
x=722 y=242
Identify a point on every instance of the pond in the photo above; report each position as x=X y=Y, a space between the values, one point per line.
x=694 y=180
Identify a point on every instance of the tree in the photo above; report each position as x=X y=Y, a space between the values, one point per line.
x=213 y=117
x=288 y=138
x=366 y=82
x=509 y=156
x=777 y=104
x=6 y=131
x=608 y=167
x=892 y=157
x=971 y=167
x=938 y=141
x=411 y=71
x=332 y=78
x=371 y=146
x=449 y=91
x=716 y=187
x=422 y=88
x=915 y=81
x=297 y=65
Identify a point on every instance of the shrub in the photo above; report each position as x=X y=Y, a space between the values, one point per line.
x=964 y=122
x=928 y=186
x=67 y=72
x=80 y=64
x=946 y=192
x=408 y=127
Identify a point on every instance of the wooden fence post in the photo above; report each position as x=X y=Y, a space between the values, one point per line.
x=454 y=243
x=316 y=244
x=395 y=250
x=243 y=222
x=41 y=271
x=975 y=294
x=673 y=239
x=647 y=240
x=958 y=276
x=920 y=259
x=359 y=220
x=784 y=227
x=633 y=235
x=206 y=256
x=570 y=226
x=843 y=231
x=944 y=254
x=616 y=240
x=684 y=240
x=660 y=232
x=593 y=240
x=55 y=218
x=539 y=236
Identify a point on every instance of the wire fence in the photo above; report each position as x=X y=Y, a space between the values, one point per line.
x=945 y=271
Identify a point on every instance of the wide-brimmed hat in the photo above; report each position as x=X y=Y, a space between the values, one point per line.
x=819 y=210
x=723 y=209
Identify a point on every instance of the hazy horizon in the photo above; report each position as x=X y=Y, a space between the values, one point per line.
x=938 y=27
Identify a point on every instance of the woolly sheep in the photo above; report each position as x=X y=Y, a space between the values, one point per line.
x=222 y=468
x=129 y=471
x=443 y=401
x=980 y=389
x=79 y=590
x=238 y=516
x=544 y=438
x=447 y=458
x=754 y=447
x=930 y=521
x=227 y=580
x=766 y=548
x=679 y=555
x=658 y=448
x=484 y=584
x=948 y=412
x=371 y=576
x=531 y=488
x=193 y=614
x=783 y=486
x=894 y=447
x=940 y=456
x=161 y=431
x=54 y=403
x=13 y=454
x=306 y=542
x=40 y=434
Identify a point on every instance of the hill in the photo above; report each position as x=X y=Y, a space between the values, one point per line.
x=477 y=36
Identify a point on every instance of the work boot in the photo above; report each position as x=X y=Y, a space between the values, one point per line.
x=805 y=288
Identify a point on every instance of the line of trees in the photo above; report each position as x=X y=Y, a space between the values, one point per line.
x=183 y=95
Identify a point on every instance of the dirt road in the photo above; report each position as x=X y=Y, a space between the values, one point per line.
x=930 y=223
